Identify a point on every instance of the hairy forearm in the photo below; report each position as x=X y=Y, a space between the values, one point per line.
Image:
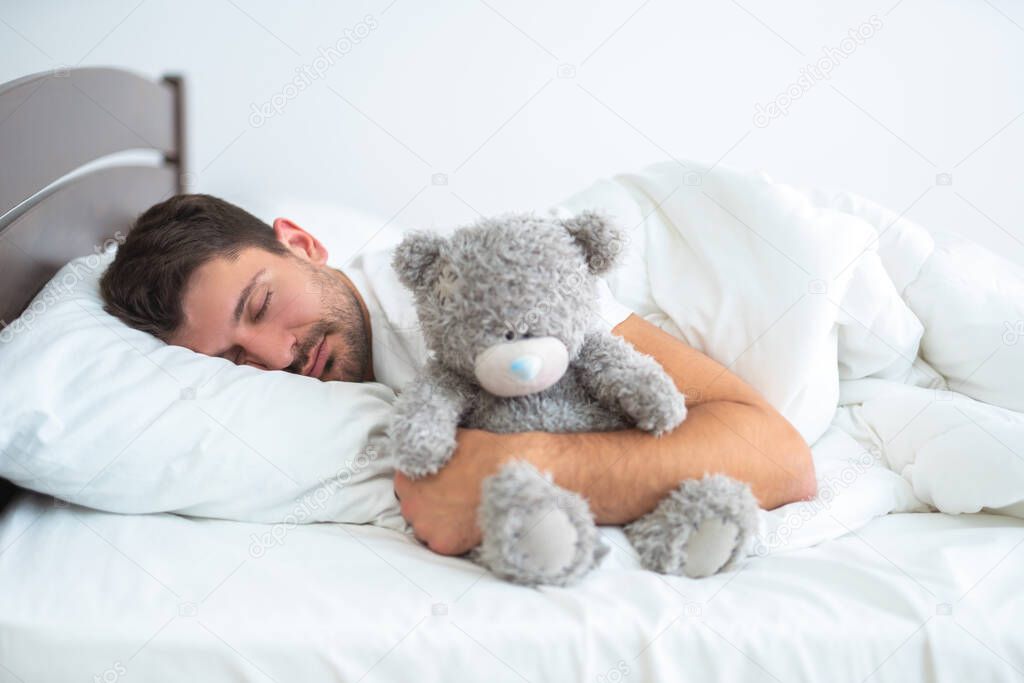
x=625 y=473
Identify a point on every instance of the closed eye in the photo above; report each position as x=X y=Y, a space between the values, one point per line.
x=263 y=309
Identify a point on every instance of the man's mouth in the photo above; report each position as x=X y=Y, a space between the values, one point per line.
x=317 y=359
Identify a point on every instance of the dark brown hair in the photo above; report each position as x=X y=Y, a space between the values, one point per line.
x=145 y=284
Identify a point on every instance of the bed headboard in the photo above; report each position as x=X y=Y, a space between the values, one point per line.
x=64 y=186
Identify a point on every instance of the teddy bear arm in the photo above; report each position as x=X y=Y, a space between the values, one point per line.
x=622 y=378
x=424 y=422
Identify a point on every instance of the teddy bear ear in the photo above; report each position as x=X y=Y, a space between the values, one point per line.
x=601 y=240
x=415 y=257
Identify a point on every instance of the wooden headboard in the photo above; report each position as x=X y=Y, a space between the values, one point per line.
x=65 y=188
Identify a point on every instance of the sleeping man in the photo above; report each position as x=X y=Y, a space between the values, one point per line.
x=199 y=272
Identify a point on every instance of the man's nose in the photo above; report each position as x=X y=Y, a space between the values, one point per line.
x=268 y=348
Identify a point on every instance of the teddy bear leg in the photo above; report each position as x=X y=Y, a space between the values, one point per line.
x=699 y=529
x=535 y=532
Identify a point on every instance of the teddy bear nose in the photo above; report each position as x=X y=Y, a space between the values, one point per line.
x=525 y=367
x=519 y=368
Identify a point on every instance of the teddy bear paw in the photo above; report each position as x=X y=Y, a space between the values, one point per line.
x=535 y=533
x=422 y=457
x=698 y=530
x=657 y=414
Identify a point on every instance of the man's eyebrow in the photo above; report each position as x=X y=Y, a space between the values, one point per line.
x=244 y=296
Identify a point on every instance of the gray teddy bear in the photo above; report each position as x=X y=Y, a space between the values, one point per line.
x=508 y=308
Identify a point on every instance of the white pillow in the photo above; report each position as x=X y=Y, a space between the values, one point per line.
x=971 y=301
x=98 y=414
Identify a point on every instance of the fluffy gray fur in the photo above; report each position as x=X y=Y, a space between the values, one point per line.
x=519 y=276
x=516 y=502
x=661 y=536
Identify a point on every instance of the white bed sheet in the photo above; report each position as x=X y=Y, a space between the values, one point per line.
x=96 y=596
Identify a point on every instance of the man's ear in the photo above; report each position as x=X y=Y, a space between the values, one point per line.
x=300 y=242
x=416 y=259
x=601 y=240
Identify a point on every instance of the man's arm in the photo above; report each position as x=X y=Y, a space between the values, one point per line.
x=730 y=429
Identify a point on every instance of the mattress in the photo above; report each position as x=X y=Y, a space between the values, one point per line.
x=97 y=596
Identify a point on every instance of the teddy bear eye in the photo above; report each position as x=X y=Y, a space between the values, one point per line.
x=510 y=335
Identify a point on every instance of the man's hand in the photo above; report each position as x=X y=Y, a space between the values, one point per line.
x=442 y=508
x=730 y=429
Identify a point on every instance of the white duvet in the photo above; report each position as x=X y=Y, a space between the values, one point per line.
x=100 y=596
x=897 y=354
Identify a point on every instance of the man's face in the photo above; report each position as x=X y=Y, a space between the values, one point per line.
x=278 y=312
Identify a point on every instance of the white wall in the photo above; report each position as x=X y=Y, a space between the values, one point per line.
x=472 y=90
